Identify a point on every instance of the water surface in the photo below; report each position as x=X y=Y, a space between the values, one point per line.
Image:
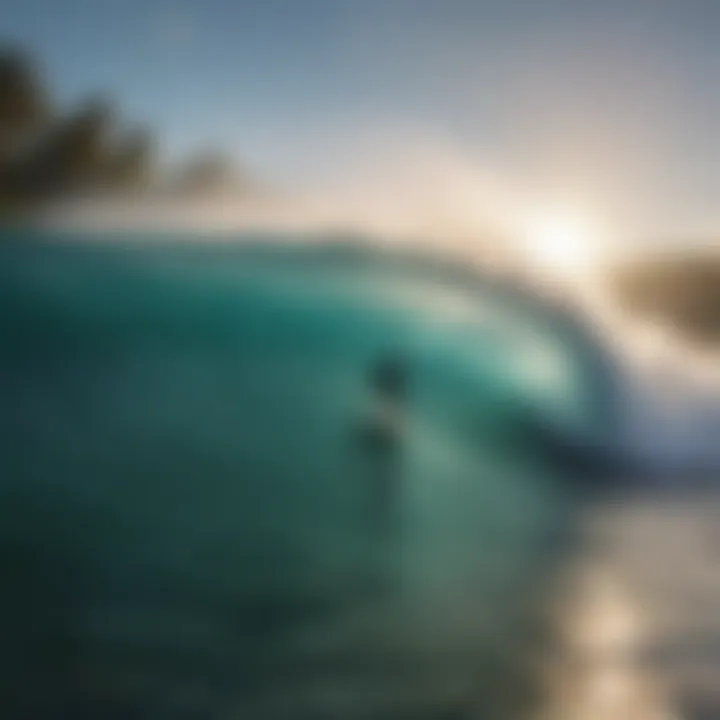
x=188 y=523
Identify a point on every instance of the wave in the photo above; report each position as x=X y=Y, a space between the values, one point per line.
x=181 y=483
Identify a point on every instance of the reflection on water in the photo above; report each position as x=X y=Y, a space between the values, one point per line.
x=596 y=673
x=638 y=625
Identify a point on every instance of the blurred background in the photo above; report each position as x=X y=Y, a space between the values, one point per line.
x=359 y=360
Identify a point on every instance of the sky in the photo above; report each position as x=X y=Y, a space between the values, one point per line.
x=475 y=107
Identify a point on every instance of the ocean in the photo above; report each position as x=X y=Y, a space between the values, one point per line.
x=190 y=526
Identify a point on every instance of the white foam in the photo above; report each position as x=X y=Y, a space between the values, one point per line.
x=672 y=403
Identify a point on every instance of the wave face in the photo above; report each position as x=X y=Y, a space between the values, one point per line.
x=187 y=520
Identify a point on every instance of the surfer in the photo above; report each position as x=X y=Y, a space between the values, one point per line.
x=383 y=429
x=385 y=425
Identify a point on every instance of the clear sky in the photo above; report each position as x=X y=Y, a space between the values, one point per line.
x=614 y=103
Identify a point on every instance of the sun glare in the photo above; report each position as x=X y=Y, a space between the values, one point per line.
x=561 y=240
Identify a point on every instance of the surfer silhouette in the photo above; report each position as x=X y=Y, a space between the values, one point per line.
x=385 y=422
x=383 y=429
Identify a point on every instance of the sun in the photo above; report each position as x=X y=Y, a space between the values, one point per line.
x=561 y=240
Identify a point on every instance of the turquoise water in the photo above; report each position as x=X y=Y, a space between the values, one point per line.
x=188 y=522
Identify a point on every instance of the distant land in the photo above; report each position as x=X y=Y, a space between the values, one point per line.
x=51 y=154
x=681 y=291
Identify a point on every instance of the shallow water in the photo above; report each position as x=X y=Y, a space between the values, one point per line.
x=188 y=521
